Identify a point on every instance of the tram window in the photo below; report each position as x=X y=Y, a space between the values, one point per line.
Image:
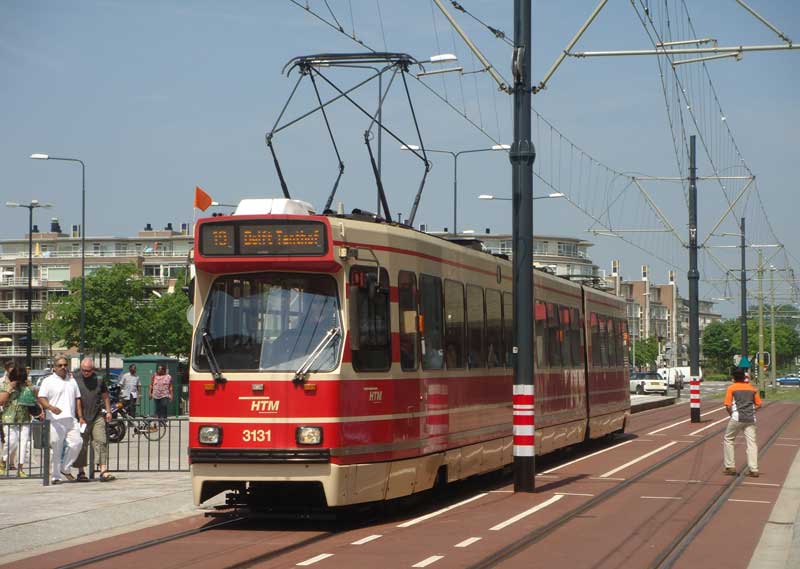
x=603 y=341
x=540 y=333
x=454 y=324
x=494 y=329
x=624 y=327
x=369 y=292
x=475 y=325
x=595 y=332
x=508 y=330
x=611 y=326
x=430 y=307
x=407 y=300
x=566 y=337
x=576 y=331
x=553 y=340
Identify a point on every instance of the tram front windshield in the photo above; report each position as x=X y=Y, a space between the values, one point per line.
x=271 y=322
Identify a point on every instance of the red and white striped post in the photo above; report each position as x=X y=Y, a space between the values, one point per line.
x=694 y=399
x=524 y=431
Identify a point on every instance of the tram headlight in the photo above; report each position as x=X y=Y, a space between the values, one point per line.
x=210 y=435
x=308 y=435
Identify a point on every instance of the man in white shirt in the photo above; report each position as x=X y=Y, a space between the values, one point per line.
x=129 y=389
x=60 y=397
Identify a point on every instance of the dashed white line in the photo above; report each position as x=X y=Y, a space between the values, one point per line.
x=685 y=481
x=785 y=445
x=437 y=512
x=574 y=494
x=708 y=426
x=428 y=561
x=684 y=421
x=313 y=560
x=661 y=498
x=367 y=539
x=607 y=478
x=634 y=461
x=760 y=484
x=751 y=501
x=526 y=513
x=588 y=456
x=467 y=542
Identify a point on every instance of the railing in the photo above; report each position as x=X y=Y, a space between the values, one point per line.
x=150 y=444
x=27 y=444
x=19 y=351
x=95 y=254
x=20 y=305
x=22 y=282
x=12 y=328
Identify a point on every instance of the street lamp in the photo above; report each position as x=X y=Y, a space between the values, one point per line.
x=31 y=206
x=455 y=156
x=83 y=239
x=493 y=197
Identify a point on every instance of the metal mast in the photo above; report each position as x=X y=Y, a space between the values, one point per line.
x=694 y=278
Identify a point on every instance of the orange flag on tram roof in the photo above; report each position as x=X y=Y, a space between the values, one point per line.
x=201 y=199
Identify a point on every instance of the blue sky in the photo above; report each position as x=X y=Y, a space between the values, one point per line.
x=157 y=97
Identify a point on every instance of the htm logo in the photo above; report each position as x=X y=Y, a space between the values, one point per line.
x=376 y=396
x=261 y=406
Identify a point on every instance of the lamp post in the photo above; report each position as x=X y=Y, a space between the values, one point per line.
x=455 y=156
x=33 y=204
x=547 y=197
x=83 y=240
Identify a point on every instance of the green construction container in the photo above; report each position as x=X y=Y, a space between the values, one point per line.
x=145 y=368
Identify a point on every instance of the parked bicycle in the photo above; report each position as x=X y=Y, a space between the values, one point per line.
x=123 y=421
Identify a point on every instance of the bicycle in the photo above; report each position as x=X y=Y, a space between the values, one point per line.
x=153 y=429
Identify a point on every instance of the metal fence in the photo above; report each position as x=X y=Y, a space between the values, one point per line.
x=148 y=445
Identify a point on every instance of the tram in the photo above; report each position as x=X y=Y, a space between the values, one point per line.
x=342 y=359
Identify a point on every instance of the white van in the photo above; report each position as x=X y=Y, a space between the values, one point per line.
x=676 y=376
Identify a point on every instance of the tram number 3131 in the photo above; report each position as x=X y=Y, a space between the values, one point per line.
x=257 y=435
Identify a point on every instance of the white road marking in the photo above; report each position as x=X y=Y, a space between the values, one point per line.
x=789 y=438
x=588 y=456
x=574 y=494
x=437 y=512
x=367 y=539
x=684 y=421
x=661 y=498
x=313 y=560
x=608 y=478
x=428 y=561
x=786 y=445
x=467 y=542
x=751 y=501
x=634 y=461
x=708 y=426
x=685 y=481
x=546 y=476
x=526 y=513
x=760 y=484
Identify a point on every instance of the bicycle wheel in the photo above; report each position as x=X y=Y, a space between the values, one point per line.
x=156 y=430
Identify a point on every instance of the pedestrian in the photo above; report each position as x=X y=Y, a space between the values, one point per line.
x=97 y=412
x=741 y=402
x=7 y=366
x=60 y=397
x=129 y=389
x=17 y=400
x=161 y=391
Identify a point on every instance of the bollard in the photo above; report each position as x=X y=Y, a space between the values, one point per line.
x=694 y=399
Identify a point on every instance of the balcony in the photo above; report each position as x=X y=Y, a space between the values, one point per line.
x=95 y=254
x=20 y=305
x=22 y=282
x=20 y=351
x=13 y=328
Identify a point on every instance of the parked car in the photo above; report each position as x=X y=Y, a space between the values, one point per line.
x=791 y=379
x=643 y=382
x=37 y=375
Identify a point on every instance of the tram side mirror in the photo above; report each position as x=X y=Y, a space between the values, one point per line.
x=352 y=318
x=189 y=291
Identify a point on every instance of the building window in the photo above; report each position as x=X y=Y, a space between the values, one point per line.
x=567 y=249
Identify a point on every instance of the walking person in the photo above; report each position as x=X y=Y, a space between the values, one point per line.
x=161 y=391
x=7 y=366
x=17 y=400
x=97 y=412
x=129 y=389
x=60 y=397
x=741 y=402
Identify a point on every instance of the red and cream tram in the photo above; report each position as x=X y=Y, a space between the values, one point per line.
x=339 y=360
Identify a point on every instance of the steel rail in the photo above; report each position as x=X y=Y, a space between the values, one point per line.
x=675 y=549
x=534 y=537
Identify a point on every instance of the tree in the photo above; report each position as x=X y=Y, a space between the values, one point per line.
x=113 y=297
x=646 y=352
x=719 y=344
x=163 y=327
x=48 y=329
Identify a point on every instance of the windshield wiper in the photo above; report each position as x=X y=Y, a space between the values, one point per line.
x=212 y=360
x=302 y=371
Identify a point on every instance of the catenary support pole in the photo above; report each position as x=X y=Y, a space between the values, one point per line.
x=743 y=288
x=29 y=328
x=760 y=363
x=773 y=356
x=522 y=156
x=694 y=303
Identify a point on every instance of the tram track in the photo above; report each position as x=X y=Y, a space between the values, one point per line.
x=670 y=554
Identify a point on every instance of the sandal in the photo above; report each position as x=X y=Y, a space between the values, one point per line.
x=68 y=476
x=106 y=477
x=82 y=477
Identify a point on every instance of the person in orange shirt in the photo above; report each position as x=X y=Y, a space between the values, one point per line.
x=741 y=402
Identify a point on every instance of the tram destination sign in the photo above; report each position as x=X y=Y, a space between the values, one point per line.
x=263 y=237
